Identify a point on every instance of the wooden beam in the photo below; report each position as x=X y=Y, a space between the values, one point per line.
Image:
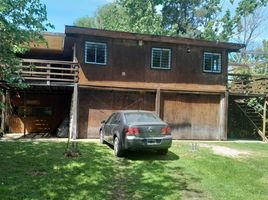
x=48 y=72
x=51 y=79
x=52 y=68
x=49 y=61
x=75 y=112
x=264 y=117
x=24 y=113
x=158 y=102
x=223 y=116
x=3 y=100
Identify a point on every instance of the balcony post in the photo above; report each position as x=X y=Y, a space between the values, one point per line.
x=223 y=116
x=48 y=74
x=3 y=99
x=264 y=117
x=157 y=101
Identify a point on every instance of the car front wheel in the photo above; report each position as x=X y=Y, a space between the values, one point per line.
x=101 y=137
x=118 y=151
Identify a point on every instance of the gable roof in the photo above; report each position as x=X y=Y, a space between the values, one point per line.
x=73 y=30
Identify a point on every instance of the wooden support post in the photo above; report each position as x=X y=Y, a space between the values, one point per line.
x=48 y=74
x=264 y=117
x=158 y=102
x=3 y=100
x=24 y=113
x=7 y=111
x=75 y=112
x=74 y=53
x=223 y=116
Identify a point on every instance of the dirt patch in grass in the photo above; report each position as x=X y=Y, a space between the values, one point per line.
x=226 y=151
x=38 y=173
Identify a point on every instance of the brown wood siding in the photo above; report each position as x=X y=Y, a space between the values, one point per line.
x=95 y=106
x=60 y=105
x=192 y=116
x=135 y=61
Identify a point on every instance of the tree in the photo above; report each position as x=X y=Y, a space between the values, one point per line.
x=21 y=23
x=109 y=17
x=131 y=16
x=189 y=18
x=143 y=16
x=204 y=19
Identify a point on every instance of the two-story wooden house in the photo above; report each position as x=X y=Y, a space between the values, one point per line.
x=183 y=80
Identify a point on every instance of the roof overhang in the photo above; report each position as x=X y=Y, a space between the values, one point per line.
x=230 y=47
x=54 y=43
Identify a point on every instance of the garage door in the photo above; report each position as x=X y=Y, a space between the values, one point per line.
x=96 y=105
x=192 y=116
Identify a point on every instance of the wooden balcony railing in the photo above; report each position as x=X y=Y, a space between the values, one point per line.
x=49 y=71
x=247 y=84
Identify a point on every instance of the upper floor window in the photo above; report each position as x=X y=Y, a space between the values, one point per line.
x=212 y=62
x=161 y=58
x=95 y=53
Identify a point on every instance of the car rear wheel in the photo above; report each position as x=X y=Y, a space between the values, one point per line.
x=162 y=151
x=101 y=137
x=118 y=151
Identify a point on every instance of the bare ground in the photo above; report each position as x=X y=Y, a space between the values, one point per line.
x=226 y=151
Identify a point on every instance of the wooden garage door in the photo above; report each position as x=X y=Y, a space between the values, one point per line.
x=192 y=116
x=95 y=106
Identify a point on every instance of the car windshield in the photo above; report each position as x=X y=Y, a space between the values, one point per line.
x=141 y=117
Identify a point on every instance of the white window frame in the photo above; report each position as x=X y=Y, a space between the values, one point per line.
x=169 y=58
x=220 y=63
x=105 y=53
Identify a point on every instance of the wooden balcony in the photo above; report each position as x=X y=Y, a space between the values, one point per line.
x=241 y=84
x=49 y=72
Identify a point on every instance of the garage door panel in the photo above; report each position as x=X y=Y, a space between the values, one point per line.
x=192 y=116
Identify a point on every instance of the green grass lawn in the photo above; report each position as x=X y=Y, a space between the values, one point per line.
x=39 y=170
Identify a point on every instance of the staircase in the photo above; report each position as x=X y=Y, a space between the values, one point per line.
x=254 y=117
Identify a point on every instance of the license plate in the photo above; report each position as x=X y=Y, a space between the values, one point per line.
x=151 y=141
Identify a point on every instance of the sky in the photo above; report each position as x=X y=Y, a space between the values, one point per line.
x=65 y=12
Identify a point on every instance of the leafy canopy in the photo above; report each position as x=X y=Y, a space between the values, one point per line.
x=205 y=19
x=21 y=23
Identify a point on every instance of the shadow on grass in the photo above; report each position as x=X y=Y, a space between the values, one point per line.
x=146 y=155
x=150 y=155
x=38 y=170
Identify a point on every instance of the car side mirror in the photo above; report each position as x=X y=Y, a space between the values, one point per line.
x=103 y=122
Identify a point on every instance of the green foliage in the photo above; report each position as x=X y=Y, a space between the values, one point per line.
x=21 y=23
x=192 y=18
x=110 y=17
x=143 y=16
x=256 y=103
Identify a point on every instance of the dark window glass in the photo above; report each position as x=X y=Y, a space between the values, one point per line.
x=165 y=59
x=95 y=53
x=141 y=117
x=161 y=58
x=212 y=62
x=157 y=58
x=111 y=118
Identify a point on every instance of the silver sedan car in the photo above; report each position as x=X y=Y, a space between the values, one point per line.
x=135 y=130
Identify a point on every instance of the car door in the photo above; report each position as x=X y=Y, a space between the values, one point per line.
x=107 y=127
x=115 y=126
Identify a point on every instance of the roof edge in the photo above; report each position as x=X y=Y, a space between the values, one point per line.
x=231 y=47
